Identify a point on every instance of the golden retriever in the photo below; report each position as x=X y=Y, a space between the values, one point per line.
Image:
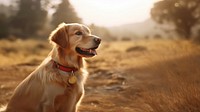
x=57 y=85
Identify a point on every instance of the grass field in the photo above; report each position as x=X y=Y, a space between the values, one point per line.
x=133 y=76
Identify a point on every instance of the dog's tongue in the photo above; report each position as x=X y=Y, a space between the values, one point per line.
x=93 y=52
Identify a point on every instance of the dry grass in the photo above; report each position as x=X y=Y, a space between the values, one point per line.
x=184 y=98
x=176 y=86
x=141 y=76
x=166 y=72
x=22 y=51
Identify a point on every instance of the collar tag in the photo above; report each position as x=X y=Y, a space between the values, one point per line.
x=72 y=79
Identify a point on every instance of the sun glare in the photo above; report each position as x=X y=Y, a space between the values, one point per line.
x=110 y=12
x=113 y=12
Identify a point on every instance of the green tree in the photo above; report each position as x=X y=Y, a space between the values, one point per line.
x=184 y=14
x=65 y=13
x=30 y=17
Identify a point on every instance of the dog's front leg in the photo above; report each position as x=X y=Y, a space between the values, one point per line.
x=48 y=108
x=48 y=104
x=74 y=109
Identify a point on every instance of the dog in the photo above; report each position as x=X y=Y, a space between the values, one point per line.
x=57 y=85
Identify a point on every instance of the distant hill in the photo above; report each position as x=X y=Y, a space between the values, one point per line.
x=145 y=29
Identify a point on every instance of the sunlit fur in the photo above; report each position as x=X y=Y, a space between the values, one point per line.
x=47 y=89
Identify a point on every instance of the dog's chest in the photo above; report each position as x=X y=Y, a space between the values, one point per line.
x=69 y=98
x=73 y=84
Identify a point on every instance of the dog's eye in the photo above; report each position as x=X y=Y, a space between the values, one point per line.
x=78 y=33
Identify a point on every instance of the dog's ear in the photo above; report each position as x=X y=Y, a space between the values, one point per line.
x=60 y=35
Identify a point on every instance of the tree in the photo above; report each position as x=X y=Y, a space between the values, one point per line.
x=184 y=14
x=65 y=13
x=4 y=30
x=30 y=17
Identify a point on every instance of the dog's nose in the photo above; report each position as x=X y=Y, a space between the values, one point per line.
x=97 y=40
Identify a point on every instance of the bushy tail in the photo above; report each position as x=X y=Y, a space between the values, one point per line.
x=3 y=108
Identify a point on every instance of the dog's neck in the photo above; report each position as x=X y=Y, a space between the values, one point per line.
x=66 y=58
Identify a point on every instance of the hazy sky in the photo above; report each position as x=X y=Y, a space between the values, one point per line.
x=111 y=12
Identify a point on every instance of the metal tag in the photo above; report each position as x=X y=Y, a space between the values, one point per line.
x=72 y=79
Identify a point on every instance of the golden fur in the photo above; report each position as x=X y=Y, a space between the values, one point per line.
x=47 y=89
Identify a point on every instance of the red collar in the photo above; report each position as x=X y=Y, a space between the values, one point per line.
x=64 y=68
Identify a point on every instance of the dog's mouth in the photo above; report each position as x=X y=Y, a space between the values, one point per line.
x=87 y=52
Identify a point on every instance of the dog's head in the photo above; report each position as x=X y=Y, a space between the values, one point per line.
x=76 y=38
